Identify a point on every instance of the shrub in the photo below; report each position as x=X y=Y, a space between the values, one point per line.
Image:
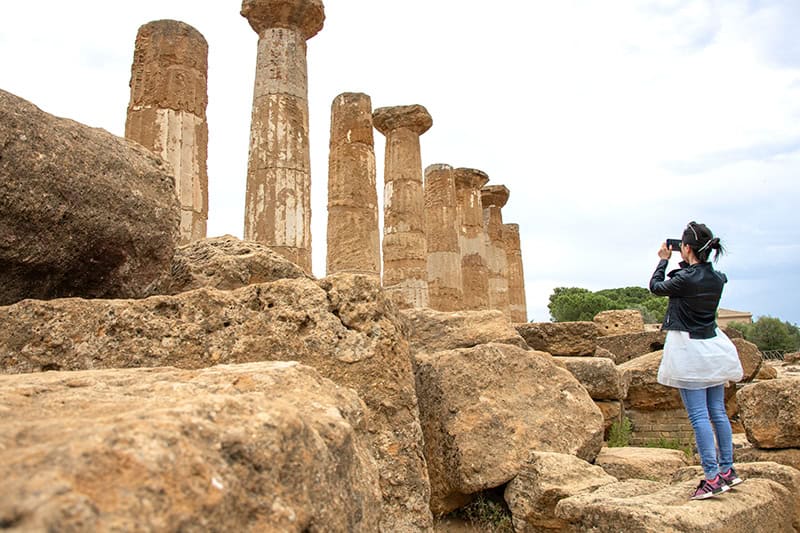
x=620 y=434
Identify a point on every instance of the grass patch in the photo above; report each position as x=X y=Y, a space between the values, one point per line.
x=619 y=435
x=487 y=512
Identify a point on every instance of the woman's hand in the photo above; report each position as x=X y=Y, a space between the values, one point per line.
x=664 y=252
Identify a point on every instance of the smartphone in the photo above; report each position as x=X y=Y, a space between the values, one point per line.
x=674 y=244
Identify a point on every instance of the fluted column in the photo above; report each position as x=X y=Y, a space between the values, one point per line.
x=441 y=233
x=493 y=198
x=167 y=112
x=278 y=197
x=353 y=238
x=405 y=275
x=516 y=274
x=472 y=238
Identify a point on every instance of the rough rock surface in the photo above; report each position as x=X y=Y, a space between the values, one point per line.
x=599 y=375
x=631 y=462
x=630 y=345
x=618 y=322
x=255 y=447
x=544 y=480
x=342 y=325
x=433 y=331
x=770 y=412
x=472 y=399
x=785 y=475
x=612 y=412
x=560 y=338
x=82 y=212
x=766 y=371
x=225 y=263
x=751 y=454
x=749 y=356
x=650 y=506
x=644 y=392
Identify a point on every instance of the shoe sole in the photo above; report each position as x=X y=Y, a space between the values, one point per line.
x=735 y=482
x=707 y=495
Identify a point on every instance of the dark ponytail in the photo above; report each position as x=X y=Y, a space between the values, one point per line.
x=701 y=240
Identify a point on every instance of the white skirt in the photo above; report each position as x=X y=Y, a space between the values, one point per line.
x=698 y=363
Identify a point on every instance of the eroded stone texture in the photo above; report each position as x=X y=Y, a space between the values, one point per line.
x=167 y=112
x=82 y=212
x=560 y=338
x=253 y=447
x=353 y=238
x=493 y=199
x=770 y=412
x=342 y=325
x=644 y=391
x=516 y=274
x=599 y=375
x=619 y=321
x=278 y=196
x=628 y=346
x=749 y=356
x=441 y=233
x=631 y=462
x=405 y=270
x=472 y=238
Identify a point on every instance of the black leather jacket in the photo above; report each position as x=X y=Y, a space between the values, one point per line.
x=694 y=292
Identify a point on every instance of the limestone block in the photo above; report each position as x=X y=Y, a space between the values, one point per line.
x=560 y=338
x=432 y=331
x=766 y=371
x=612 y=412
x=307 y=16
x=232 y=447
x=639 y=505
x=279 y=134
x=644 y=392
x=619 y=321
x=785 y=475
x=631 y=462
x=544 y=480
x=749 y=356
x=342 y=325
x=471 y=399
x=599 y=375
x=770 y=412
x=751 y=454
x=627 y=346
x=82 y=212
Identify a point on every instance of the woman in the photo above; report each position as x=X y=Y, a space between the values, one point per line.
x=698 y=357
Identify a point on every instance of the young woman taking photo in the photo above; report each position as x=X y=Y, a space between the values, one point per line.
x=698 y=357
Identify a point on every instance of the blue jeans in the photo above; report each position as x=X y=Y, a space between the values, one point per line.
x=706 y=407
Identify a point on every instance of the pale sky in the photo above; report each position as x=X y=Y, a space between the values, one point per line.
x=612 y=123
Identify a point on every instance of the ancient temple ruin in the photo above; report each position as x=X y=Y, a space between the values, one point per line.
x=167 y=112
x=472 y=238
x=445 y=289
x=516 y=275
x=493 y=198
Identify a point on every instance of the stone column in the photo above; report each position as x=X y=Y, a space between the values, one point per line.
x=516 y=275
x=472 y=238
x=353 y=238
x=167 y=112
x=405 y=274
x=441 y=234
x=278 y=204
x=493 y=198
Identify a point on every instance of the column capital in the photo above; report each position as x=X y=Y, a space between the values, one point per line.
x=494 y=195
x=470 y=178
x=413 y=117
x=307 y=16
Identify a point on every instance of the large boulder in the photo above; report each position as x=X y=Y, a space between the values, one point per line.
x=225 y=263
x=749 y=356
x=618 y=322
x=631 y=462
x=544 y=480
x=770 y=412
x=651 y=506
x=599 y=375
x=751 y=454
x=472 y=399
x=644 y=392
x=255 y=447
x=560 y=338
x=342 y=325
x=82 y=212
x=433 y=331
x=628 y=346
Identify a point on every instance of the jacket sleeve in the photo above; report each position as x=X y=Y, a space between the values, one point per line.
x=671 y=287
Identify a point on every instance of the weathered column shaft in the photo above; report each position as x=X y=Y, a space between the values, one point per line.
x=472 y=238
x=278 y=196
x=516 y=274
x=353 y=230
x=167 y=112
x=441 y=234
x=493 y=198
x=405 y=275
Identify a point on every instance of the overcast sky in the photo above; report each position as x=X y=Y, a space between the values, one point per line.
x=612 y=123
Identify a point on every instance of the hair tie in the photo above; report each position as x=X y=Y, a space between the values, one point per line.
x=713 y=242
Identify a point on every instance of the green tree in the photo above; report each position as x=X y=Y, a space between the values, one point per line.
x=769 y=333
x=575 y=304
